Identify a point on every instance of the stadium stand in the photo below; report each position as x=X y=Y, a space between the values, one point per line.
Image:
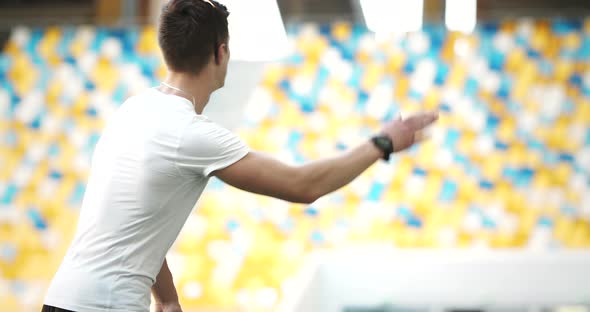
x=508 y=165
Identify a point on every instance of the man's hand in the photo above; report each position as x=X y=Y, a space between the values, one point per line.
x=170 y=307
x=405 y=132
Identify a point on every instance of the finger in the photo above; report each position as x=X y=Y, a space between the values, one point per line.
x=421 y=121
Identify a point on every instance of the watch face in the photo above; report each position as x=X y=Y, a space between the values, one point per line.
x=384 y=142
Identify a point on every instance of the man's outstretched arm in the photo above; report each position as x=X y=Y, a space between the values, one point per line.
x=265 y=175
x=164 y=291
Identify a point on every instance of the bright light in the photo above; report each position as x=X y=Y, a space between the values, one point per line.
x=256 y=30
x=393 y=16
x=460 y=15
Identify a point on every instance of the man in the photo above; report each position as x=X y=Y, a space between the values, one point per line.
x=154 y=159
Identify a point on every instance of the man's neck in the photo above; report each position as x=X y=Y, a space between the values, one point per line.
x=197 y=86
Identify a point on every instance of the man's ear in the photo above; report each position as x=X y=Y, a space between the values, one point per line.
x=220 y=53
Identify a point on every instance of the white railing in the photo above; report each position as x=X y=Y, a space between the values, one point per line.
x=434 y=280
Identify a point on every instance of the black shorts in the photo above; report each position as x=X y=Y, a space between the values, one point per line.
x=47 y=308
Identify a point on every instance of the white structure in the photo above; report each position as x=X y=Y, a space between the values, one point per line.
x=434 y=280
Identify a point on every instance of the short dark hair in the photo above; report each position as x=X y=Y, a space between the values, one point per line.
x=189 y=31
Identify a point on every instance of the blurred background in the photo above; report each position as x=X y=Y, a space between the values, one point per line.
x=491 y=214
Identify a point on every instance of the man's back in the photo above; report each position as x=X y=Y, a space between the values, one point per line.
x=148 y=169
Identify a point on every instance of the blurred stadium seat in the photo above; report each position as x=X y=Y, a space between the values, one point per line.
x=508 y=165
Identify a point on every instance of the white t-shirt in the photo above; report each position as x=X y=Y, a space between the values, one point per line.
x=148 y=170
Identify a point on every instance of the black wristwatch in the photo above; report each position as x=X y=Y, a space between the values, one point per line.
x=385 y=144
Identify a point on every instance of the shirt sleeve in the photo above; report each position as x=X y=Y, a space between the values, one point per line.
x=206 y=147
